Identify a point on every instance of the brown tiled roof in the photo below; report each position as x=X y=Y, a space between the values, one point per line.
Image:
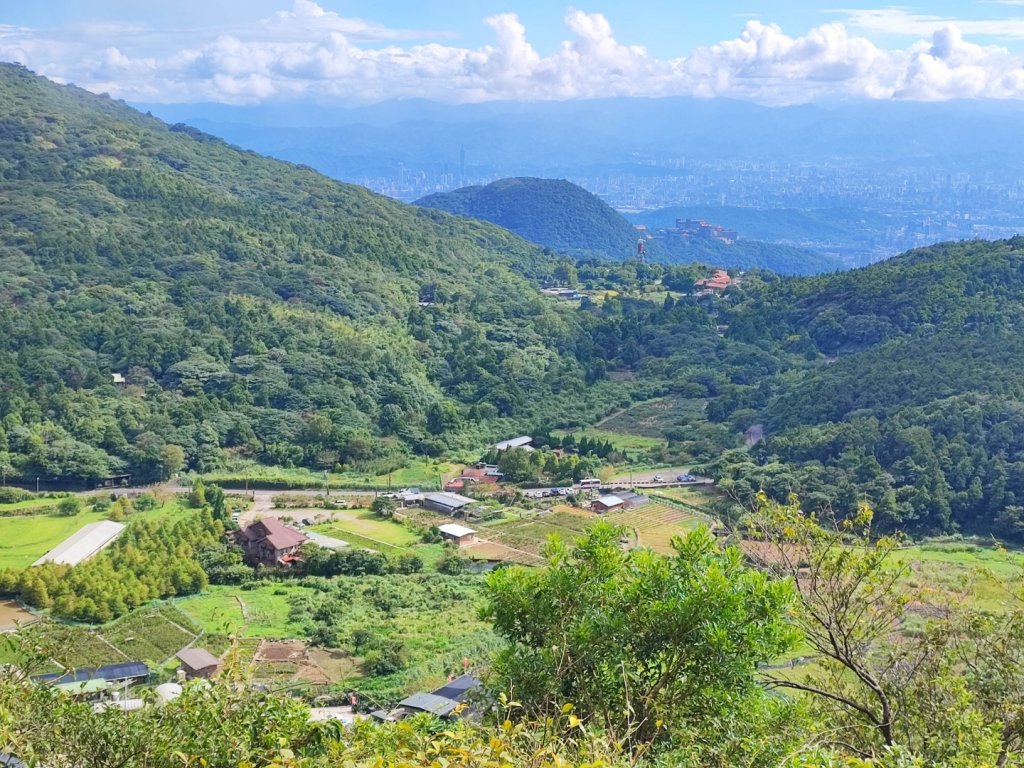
x=275 y=533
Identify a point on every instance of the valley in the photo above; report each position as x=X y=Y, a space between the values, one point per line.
x=335 y=451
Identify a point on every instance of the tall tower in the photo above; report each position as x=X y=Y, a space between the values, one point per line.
x=641 y=250
x=462 y=165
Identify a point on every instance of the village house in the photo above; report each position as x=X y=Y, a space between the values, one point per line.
x=443 y=702
x=719 y=281
x=448 y=503
x=270 y=542
x=481 y=474
x=198 y=662
x=460 y=535
x=609 y=503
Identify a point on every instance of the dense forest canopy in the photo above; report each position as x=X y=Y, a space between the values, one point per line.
x=248 y=304
x=551 y=212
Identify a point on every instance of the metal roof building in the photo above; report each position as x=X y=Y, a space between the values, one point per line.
x=429 y=702
x=86 y=542
x=522 y=441
x=449 y=503
x=130 y=670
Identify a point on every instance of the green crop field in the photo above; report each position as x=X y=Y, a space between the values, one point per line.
x=986 y=578
x=26 y=538
x=150 y=637
x=656 y=524
x=151 y=634
x=530 y=533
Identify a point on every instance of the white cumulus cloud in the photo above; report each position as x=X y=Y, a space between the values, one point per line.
x=311 y=53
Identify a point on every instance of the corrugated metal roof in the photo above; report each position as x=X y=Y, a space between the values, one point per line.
x=610 y=501
x=125 y=671
x=428 y=702
x=197 y=658
x=457 y=689
x=515 y=442
x=83 y=544
x=453 y=500
x=458 y=531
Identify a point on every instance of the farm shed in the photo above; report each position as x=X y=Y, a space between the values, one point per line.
x=459 y=534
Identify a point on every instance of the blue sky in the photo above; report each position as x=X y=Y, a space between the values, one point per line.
x=358 y=51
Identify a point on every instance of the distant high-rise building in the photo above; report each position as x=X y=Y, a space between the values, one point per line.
x=462 y=165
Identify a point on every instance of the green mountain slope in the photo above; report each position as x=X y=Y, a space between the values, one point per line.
x=748 y=254
x=550 y=212
x=919 y=405
x=251 y=305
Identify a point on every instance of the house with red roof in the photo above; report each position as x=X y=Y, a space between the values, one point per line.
x=719 y=281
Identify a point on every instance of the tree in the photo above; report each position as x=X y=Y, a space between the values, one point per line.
x=197 y=496
x=635 y=640
x=848 y=603
x=69 y=506
x=951 y=693
x=383 y=506
x=172 y=459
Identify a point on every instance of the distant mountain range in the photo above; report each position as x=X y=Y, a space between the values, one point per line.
x=567 y=218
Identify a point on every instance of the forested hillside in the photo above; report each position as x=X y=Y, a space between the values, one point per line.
x=249 y=305
x=550 y=212
x=747 y=254
x=917 y=403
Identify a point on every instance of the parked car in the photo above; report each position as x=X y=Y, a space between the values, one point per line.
x=687 y=478
x=659 y=479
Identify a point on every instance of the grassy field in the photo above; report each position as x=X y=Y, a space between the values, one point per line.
x=16 y=506
x=24 y=539
x=691 y=496
x=418 y=473
x=984 y=578
x=360 y=527
x=261 y=612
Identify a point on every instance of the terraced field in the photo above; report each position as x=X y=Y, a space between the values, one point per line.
x=656 y=524
x=151 y=634
x=531 y=533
